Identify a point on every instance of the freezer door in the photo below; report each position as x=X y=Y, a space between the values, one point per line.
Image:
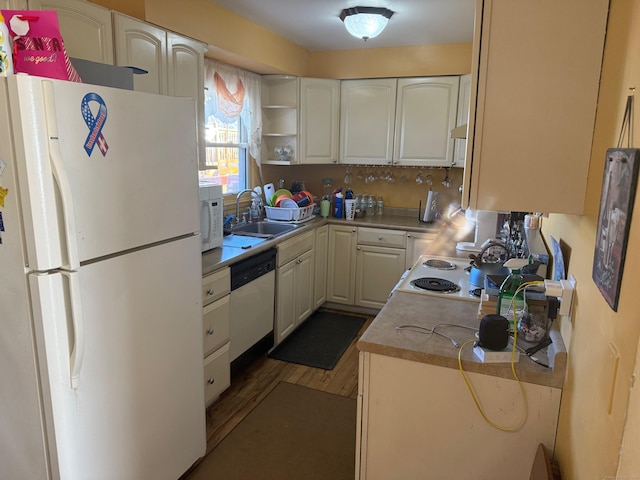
x=133 y=341
x=101 y=170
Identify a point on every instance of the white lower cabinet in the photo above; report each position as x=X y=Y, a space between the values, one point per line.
x=216 y=288
x=294 y=284
x=377 y=271
x=342 y=264
x=321 y=250
x=217 y=374
x=380 y=262
x=408 y=429
x=364 y=264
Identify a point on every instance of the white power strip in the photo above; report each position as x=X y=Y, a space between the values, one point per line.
x=493 y=356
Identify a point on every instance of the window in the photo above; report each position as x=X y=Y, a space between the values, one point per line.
x=226 y=155
x=232 y=123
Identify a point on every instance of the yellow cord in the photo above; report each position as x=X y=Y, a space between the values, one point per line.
x=523 y=415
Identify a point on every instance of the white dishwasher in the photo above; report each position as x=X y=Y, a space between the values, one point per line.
x=252 y=305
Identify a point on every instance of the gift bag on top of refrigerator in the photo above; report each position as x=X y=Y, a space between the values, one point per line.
x=38 y=48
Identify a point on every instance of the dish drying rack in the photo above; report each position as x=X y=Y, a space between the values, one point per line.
x=289 y=215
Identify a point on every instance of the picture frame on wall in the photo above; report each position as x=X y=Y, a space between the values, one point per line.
x=614 y=219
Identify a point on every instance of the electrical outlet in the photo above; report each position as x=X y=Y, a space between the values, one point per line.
x=568 y=287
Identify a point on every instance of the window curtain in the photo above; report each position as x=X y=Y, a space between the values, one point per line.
x=230 y=93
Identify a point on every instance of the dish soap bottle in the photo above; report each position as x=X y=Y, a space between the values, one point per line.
x=506 y=303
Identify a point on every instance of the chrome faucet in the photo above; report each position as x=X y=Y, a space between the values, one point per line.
x=253 y=194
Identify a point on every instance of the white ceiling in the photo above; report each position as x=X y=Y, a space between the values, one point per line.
x=316 y=26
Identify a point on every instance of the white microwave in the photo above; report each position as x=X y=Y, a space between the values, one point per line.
x=211 y=215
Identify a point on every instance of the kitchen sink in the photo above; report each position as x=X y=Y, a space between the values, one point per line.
x=263 y=229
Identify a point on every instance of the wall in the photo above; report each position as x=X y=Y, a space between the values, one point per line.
x=602 y=343
x=234 y=40
x=401 y=194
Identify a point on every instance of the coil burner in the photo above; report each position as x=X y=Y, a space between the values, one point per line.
x=439 y=264
x=432 y=284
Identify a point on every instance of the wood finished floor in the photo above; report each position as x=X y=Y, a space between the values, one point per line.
x=249 y=389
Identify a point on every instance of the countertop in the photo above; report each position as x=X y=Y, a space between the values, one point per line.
x=383 y=337
x=225 y=255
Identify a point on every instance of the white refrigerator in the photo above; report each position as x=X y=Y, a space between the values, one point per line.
x=101 y=367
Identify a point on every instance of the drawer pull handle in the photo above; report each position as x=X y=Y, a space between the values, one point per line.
x=379 y=237
x=211 y=381
x=210 y=292
x=210 y=331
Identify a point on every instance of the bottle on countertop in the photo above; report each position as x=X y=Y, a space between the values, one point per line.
x=507 y=304
x=380 y=205
x=338 y=209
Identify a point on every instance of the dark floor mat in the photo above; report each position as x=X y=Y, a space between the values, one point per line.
x=320 y=341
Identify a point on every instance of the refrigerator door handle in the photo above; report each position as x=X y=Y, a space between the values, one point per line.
x=61 y=178
x=77 y=322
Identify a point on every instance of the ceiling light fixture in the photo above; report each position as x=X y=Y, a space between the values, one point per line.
x=365 y=22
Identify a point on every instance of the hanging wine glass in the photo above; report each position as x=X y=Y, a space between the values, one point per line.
x=403 y=178
x=419 y=177
x=348 y=177
x=446 y=183
x=429 y=180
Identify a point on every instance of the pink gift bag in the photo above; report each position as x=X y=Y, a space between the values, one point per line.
x=38 y=48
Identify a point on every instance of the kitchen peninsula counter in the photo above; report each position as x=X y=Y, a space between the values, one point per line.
x=417 y=417
x=384 y=337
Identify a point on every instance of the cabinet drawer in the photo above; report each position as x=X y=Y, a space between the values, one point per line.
x=381 y=237
x=215 y=324
x=217 y=373
x=215 y=286
x=294 y=247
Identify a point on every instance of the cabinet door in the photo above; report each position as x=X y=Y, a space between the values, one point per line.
x=304 y=286
x=319 y=117
x=367 y=113
x=320 y=267
x=85 y=28
x=425 y=114
x=537 y=72
x=462 y=118
x=286 y=301
x=215 y=324
x=15 y=5
x=142 y=45
x=185 y=66
x=378 y=269
x=417 y=245
x=342 y=264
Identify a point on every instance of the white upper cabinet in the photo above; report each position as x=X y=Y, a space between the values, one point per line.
x=85 y=27
x=535 y=79
x=185 y=64
x=319 y=119
x=14 y=5
x=142 y=45
x=462 y=119
x=426 y=113
x=367 y=118
x=279 y=119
